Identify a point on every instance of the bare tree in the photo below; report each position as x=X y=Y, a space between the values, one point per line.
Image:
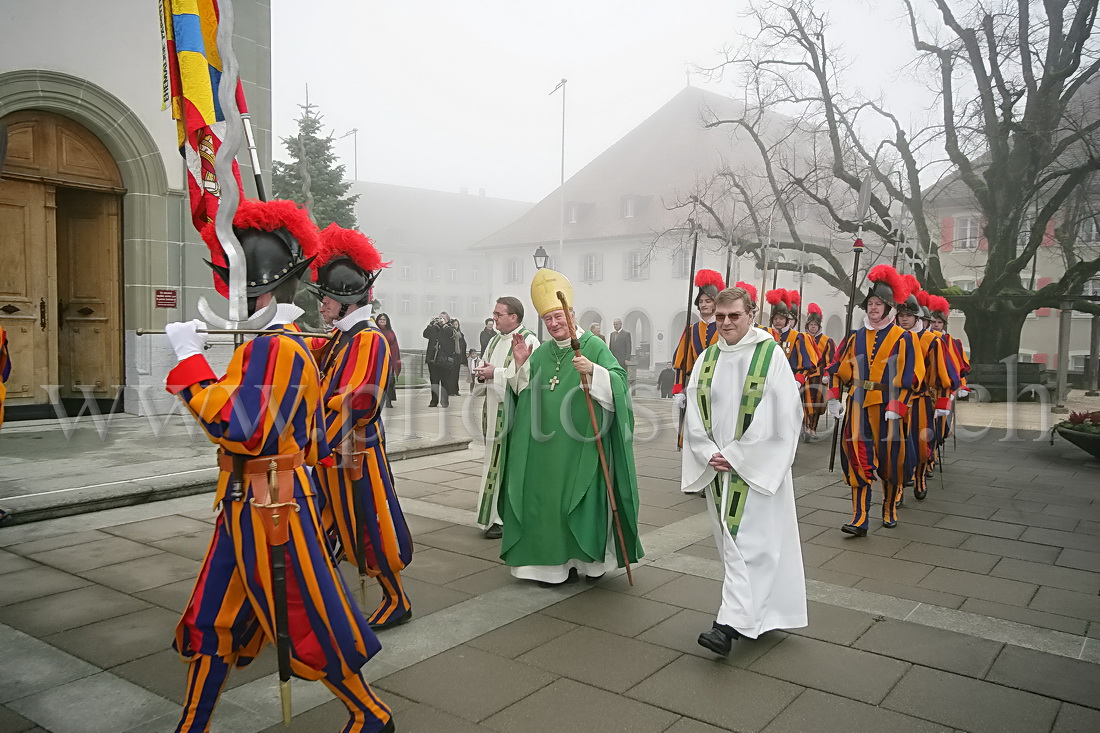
x=1017 y=87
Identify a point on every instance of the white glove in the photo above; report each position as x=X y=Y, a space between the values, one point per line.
x=825 y=379
x=943 y=413
x=836 y=410
x=185 y=339
x=891 y=415
x=680 y=399
x=962 y=393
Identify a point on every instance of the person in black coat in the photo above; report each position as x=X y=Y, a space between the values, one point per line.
x=441 y=356
x=665 y=380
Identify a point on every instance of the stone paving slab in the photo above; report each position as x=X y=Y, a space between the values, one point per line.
x=968 y=704
x=814 y=710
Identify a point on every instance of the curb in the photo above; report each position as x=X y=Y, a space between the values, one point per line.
x=143 y=490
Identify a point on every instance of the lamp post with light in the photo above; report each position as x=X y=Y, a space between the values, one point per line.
x=355 y=151
x=541 y=259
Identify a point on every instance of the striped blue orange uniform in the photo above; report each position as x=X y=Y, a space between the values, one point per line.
x=882 y=367
x=267 y=405
x=693 y=342
x=355 y=374
x=814 y=391
x=961 y=361
x=5 y=370
x=940 y=379
x=801 y=352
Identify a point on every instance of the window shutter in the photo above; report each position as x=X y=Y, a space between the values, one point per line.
x=1041 y=312
x=947 y=234
x=1042 y=283
x=1039 y=359
x=983 y=243
x=628 y=262
x=599 y=267
x=1048 y=235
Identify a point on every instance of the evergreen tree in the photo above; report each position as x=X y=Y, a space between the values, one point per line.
x=324 y=194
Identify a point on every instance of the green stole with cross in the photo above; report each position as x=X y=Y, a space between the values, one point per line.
x=731 y=503
x=492 y=477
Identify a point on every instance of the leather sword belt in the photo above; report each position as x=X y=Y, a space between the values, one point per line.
x=867 y=384
x=350 y=454
x=271 y=479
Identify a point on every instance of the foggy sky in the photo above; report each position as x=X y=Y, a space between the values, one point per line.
x=451 y=94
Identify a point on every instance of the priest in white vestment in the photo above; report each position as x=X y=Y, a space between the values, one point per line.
x=764 y=587
x=497 y=368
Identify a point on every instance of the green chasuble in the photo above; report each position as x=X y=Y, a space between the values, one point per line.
x=553 y=501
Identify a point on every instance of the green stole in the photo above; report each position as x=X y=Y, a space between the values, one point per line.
x=492 y=477
x=731 y=503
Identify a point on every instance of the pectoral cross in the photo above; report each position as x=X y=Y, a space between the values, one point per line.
x=554 y=381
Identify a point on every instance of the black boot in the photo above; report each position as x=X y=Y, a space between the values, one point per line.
x=719 y=639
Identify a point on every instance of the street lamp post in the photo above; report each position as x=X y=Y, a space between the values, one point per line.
x=354 y=132
x=561 y=185
x=541 y=258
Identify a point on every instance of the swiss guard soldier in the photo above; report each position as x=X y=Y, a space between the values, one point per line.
x=355 y=480
x=939 y=310
x=268 y=574
x=931 y=401
x=696 y=338
x=882 y=365
x=813 y=391
x=797 y=348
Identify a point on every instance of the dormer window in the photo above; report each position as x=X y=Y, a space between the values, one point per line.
x=572 y=213
x=627 y=207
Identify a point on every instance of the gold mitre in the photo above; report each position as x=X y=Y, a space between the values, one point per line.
x=544 y=291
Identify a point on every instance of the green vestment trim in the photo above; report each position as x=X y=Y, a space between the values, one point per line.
x=492 y=478
x=730 y=503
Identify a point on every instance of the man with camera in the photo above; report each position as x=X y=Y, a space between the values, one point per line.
x=441 y=356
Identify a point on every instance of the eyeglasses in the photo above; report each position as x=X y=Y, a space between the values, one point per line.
x=733 y=317
x=500 y=315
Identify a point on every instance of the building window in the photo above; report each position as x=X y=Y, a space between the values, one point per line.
x=636 y=265
x=475 y=274
x=968 y=230
x=592 y=268
x=452 y=307
x=406 y=304
x=406 y=272
x=1025 y=356
x=966 y=284
x=475 y=307
x=452 y=273
x=513 y=270
x=382 y=299
x=681 y=264
x=626 y=207
x=572 y=213
x=1090 y=232
x=430 y=273
x=429 y=305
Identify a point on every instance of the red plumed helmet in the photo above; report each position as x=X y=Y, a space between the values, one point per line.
x=939 y=304
x=887 y=284
x=356 y=246
x=794 y=299
x=713 y=278
x=709 y=283
x=814 y=310
x=264 y=216
x=911 y=284
x=748 y=288
x=347 y=266
x=922 y=297
x=775 y=297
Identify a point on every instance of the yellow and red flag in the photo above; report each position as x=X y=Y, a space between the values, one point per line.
x=192 y=72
